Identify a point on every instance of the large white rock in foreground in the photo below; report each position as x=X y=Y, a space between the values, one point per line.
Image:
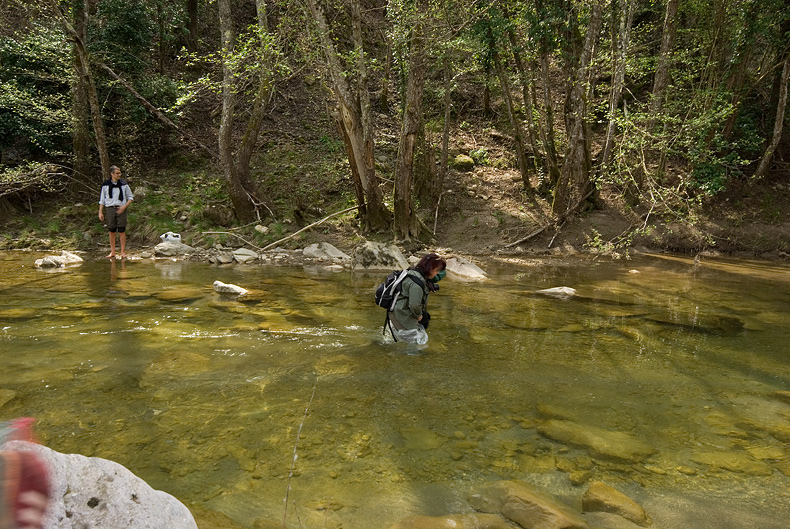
x=93 y=493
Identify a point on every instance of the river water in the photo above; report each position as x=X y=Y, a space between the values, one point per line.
x=664 y=378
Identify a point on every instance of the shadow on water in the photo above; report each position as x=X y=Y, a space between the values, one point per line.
x=657 y=377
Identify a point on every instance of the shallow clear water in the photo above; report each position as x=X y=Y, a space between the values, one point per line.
x=203 y=397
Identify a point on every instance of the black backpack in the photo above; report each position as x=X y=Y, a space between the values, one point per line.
x=387 y=292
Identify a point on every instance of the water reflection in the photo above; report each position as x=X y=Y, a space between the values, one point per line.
x=659 y=377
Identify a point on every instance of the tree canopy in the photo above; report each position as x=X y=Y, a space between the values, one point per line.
x=666 y=102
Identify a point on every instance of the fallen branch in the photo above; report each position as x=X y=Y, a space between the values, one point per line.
x=275 y=243
x=245 y=241
x=559 y=220
x=155 y=111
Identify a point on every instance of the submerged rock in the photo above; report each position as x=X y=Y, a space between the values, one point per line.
x=527 y=506
x=706 y=324
x=180 y=295
x=420 y=439
x=454 y=521
x=600 y=497
x=558 y=292
x=734 y=462
x=600 y=442
x=6 y=395
x=95 y=492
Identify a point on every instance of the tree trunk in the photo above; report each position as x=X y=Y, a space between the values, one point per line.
x=262 y=96
x=83 y=71
x=406 y=222
x=768 y=155
x=384 y=103
x=527 y=85
x=373 y=212
x=575 y=181
x=620 y=48
x=514 y=122
x=192 y=27
x=547 y=131
x=242 y=205
x=368 y=165
x=448 y=105
x=661 y=79
x=81 y=141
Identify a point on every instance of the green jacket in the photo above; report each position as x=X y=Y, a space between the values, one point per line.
x=412 y=300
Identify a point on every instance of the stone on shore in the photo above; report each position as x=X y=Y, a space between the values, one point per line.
x=601 y=443
x=378 y=256
x=527 y=506
x=94 y=492
x=600 y=497
x=243 y=255
x=172 y=249
x=323 y=251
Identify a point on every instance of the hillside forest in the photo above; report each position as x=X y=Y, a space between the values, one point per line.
x=252 y=111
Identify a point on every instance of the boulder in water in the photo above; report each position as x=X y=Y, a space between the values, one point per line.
x=95 y=492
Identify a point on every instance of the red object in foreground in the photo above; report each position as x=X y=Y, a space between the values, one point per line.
x=24 y=480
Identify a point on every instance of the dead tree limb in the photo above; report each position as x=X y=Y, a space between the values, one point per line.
x=156 y=112
x=559 y=220
x=284 y=238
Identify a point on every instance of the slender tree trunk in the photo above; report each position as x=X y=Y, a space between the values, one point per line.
x=527 y=85
x=768 y=155
x=83 y=71
x=373 y=212
x=384 y=103
x=575 y=181
x=620 y=48
x=262 y=96
x=487 y=94
x=514 y=122
x=368 y=165
x=406 y=222
x=242 y=203
x=81 y=141
x=192 y=15
x=661 y=79
x=448 y=105
x=548 y=136
x=160 y=19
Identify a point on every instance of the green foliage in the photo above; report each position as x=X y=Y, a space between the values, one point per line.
x=34 y=93
x=480 y=156
x=122 y=32
x=30 y=178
